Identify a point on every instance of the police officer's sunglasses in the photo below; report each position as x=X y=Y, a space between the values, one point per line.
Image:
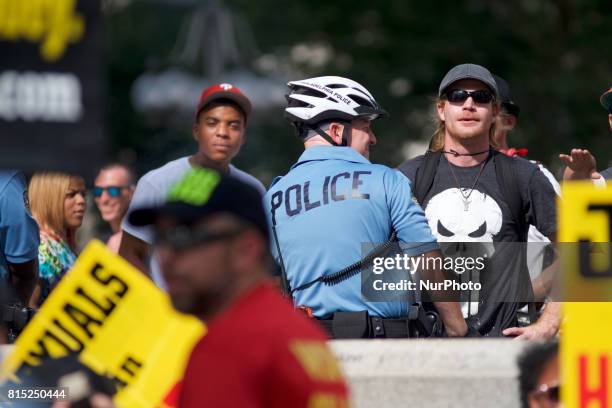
x=461 y=95
x=113 y=191
x=182 y=237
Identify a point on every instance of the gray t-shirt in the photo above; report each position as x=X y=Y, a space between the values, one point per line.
x=152 y=190
x=486 y=217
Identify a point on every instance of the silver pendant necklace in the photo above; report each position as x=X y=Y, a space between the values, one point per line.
x=465 y=194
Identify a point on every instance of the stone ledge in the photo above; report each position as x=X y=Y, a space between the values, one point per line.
x=431 y=373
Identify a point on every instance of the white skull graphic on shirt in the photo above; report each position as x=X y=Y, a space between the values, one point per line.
x=451 y=220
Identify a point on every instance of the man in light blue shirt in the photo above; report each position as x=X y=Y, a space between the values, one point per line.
x=333 y=201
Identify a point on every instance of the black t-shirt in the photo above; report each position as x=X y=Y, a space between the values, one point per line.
x=482 y=215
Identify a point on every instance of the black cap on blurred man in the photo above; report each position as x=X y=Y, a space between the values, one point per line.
x=211 y=238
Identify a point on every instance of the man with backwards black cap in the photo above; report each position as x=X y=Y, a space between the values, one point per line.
x=211 y=239
x=472 y=193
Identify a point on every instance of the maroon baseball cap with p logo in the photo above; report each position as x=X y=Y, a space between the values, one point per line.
x=224 y=91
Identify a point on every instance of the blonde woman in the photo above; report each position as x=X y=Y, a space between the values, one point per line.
x=57 y=201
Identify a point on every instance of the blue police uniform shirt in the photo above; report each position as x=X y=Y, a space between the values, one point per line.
x=19 y=237
x=331 y=202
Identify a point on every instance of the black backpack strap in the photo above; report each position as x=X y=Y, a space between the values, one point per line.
x=425 y=174
x=509 y=184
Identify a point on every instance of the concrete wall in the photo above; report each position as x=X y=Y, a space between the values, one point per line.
x=431 y=373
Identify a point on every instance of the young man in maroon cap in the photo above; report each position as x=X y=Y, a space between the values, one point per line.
x=219 y=130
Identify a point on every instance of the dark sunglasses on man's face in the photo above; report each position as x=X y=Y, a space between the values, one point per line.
x=461 y=95
x=113 y=191
x=181 y=238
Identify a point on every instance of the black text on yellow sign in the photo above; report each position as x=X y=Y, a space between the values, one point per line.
x=80 y=317
x=118 y=322
x=585 y=226
x=83 y=314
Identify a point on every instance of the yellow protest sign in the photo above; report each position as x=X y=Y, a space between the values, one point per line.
x=122 y=325
x=585 y=214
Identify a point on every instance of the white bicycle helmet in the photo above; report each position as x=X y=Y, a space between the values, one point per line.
x=315 y=100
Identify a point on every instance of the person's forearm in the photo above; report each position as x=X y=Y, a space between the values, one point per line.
x=543 y=284
x=446 y=302
x=35 y=296
x=454 y=323
x=550 y=320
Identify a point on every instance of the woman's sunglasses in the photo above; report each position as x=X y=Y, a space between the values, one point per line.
x=461 y=95
x=113 y=191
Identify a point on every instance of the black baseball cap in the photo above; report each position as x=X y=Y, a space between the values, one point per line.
x=505 y=98
x=203 y=192
x=468 y=71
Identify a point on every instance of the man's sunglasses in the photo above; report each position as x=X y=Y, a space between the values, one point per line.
x=113 y=191
x=181 y=238
x=550 y=392
x=461 y=95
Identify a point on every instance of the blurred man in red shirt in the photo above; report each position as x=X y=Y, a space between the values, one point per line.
x=212 y=241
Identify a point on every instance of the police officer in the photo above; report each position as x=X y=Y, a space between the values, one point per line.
x=19 y=241
x=333 y=200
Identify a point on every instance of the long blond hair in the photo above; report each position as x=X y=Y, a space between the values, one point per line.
x=437 y=139
x=47 y=193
